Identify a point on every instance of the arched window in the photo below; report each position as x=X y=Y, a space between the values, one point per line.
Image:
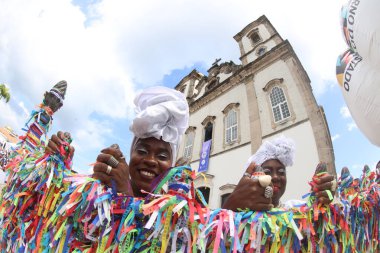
x=231 y=126
x=254 y=37
x=208 y=131
x=189 y=144
x=225 y=192
x=204 y=183
x=223 y=199
x=212 y=84
x=279 y=104
x=205 y=193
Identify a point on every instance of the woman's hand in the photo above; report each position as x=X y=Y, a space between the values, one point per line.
x=248 y=194
x=323 y=181
x=112 y=169
x=57 y=143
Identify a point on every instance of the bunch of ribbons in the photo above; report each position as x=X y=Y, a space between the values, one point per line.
x=46 y=207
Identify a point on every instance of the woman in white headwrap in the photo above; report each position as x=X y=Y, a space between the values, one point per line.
x=162 y=116
x=272 y=158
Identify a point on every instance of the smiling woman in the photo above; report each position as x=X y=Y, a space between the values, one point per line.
x=162 y=116
x=161 y=119
x=150 y=158
x=271 y=159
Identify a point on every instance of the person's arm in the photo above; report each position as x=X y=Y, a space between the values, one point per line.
x=323 y=185
x=117 y=176
x=57 y=142
x=113 y=176
x=248 y=194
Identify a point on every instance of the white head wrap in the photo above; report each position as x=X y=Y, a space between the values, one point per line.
x=162 y=113
x=281 y=149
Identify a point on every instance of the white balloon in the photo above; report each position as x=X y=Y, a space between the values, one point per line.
x=361 y=91
x=361 y=27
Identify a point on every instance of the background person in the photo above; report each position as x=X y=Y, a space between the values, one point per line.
x=272 y=158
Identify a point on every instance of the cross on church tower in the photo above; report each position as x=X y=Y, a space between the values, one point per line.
x=216 y=61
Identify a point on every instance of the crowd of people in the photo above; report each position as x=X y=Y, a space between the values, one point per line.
x=4 y=155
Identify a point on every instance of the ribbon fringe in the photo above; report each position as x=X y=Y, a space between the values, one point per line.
x=46 y=207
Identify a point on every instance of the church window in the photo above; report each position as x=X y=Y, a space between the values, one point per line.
x=279 y=104
x=231 y=126
x=255 y=38
x=205 y=191
x=223 y=199
x=189 y=145
x=208 y=131
x=225 y=192
x=212 y=84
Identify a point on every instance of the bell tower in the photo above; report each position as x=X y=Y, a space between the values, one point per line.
x=256 y=39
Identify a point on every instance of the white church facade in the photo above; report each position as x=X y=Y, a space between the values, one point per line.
x=238 y=106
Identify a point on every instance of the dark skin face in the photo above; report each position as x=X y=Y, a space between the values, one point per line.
x=150 y=158
x=277 y=171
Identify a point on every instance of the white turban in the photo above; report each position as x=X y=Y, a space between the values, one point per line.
x=162 y=113
x=281 y=149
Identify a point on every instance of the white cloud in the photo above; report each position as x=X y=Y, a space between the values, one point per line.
x=22 y=106
x=351 y=126
x=11 y=118
x=335 y=137
x=357 y=166
x=132 y=44
x=44 y=42
x=92 y=135
x=135 y=41
x=345 y=112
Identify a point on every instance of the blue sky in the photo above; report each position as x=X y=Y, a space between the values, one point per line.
x=109 y=50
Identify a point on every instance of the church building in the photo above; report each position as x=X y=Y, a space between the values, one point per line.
x=236 y=107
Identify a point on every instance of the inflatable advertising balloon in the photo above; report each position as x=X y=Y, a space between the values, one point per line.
x=357 y=68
